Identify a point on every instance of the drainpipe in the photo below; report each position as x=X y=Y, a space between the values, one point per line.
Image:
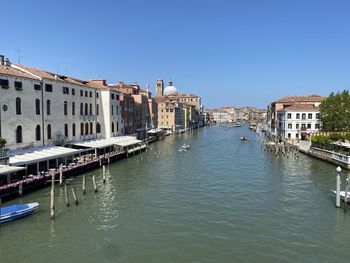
x=42 y=111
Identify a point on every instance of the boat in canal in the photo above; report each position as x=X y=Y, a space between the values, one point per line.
x=342 y=196
x=238 y=124
x=185 y=147
x=243 y=139
x=13 y=212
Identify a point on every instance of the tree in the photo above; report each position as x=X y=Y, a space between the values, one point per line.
x=2 y=143
x=335 y=112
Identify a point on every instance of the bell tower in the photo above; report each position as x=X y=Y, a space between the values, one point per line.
x=159 y=88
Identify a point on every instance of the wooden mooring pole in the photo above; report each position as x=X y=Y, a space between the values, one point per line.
x=66 y=196
x=94 y=183
x=52 y=195
x=104 y=173
x=75 y=196
x=61 y=175
x=84 y=184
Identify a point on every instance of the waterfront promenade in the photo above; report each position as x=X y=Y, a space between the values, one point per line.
x=222 y=201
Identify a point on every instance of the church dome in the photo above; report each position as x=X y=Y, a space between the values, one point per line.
x=170 y=90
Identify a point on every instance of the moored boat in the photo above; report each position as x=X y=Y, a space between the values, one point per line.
x=243 y=139
x=13 y=212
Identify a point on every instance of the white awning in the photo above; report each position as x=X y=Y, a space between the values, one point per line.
x=6 y=169
x=103 y=143
x=42 y=154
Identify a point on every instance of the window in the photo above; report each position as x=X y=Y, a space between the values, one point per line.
x=112 y=110
x=289 y=135
x=48 y=87
x=82 y=128
x=19 y=134
x=65 y=108
x=97 y=109
x=81 y=93
x=90 y=94
x=112 y=96
x=37 y=107
x=317 y=115
x=90 y=109
x=73 y=92
x=317 y=126
x=73 y=129
x=49 y=131
x=171 y=110
x=303 y=116
x=91 y=128
x=118 y=126
x=4 y=83
x=18 y=85
x=86 y=109
x=297 y=135
x=167 y=110
x=309 y=125
x=37 y=87
x=65 y=90
x=112 y=126
x=73 y=108
x=81 y=109
x=117 y=97
x=298 y=115
x=289 y=115
x=86 y=128
x=309 y=116
x=66 y=130
x=97 y=95
x=303 y=126
x=297 y=126
x=98 y=128
x=117 y=110
x=289 y=126
x=18 y=106
x=37 y=133
x=48 y=107
x=86 y=93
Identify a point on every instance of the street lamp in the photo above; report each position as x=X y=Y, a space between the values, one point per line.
x=337 y=201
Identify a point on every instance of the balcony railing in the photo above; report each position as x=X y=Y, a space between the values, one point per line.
x=87 y=117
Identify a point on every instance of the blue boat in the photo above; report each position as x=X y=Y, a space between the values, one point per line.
x=16 y=211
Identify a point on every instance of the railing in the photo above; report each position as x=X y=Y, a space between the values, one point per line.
x=3 y=153
x=331 y=155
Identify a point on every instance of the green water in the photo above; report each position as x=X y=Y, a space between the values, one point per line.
x=222 y=201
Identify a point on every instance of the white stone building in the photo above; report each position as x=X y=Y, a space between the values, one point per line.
x=39 y=108
x=298 y=121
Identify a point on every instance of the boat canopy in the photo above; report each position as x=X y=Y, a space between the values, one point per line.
x=7 y=169
x=42 y=154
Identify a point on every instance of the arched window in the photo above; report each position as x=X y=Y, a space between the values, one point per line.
x=81 y=128
x=37 y=107
x=118 y=126
x=86 y=109
x=48 y=107
x=91 y=128
x=18 y=106
x=65 y=108
x=97 y=109
x=66 y=130
x=19 y=138
x=90 y=109
x=81 y=109
x=49 y=131
x=73 y=108
x=98 y=128
x=37 y=133
x=112 y=126
x=112 y=110
x=73 y=129
x=86 y=128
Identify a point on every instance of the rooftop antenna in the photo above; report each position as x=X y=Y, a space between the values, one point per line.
x=19 y=55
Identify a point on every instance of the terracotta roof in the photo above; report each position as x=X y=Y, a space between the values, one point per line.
x=7 y=70
x=296 y=99
x=301 y=107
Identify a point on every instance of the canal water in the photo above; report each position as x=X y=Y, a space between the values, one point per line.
x=222 y=201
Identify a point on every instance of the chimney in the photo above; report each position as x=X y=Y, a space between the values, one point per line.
x=2 y=60
x=7 y=62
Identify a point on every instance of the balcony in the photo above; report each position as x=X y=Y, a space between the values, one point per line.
x=87 y=117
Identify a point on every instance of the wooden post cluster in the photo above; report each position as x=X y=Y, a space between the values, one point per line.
x=94 y=183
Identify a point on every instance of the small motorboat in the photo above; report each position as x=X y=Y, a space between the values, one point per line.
x=238 y=124
x=342 y=196
x=184 y=148
x=13 y=212
x=243 y=139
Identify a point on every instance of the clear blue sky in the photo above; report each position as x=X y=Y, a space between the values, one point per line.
x=229 y=52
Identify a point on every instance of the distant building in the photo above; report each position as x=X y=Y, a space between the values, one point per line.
x=220 y=116
x=298 y=121
x=285 y=102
